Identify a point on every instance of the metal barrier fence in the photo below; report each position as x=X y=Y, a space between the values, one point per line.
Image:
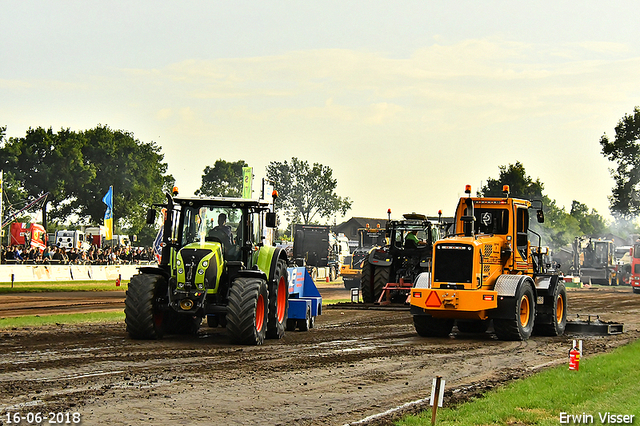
x=44 y=272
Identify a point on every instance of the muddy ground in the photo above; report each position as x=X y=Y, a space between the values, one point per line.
x=352 y=365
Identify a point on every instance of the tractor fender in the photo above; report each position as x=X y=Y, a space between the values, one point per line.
x=380 y=257
x=251 y=273
x=268 y=257
x=506 y=287
x=154 y=270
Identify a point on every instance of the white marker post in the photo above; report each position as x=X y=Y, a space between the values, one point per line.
x=437 y=392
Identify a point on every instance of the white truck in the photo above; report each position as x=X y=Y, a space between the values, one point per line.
x=72 y=240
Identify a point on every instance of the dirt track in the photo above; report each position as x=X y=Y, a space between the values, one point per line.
x=352 y=365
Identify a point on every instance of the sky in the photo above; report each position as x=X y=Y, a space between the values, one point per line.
x=407 y=101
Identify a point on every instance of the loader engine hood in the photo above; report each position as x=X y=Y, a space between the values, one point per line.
x=198 y=270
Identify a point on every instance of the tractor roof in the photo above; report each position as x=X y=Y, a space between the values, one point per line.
x=221 y=201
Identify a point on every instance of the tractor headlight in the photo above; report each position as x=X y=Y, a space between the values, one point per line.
x=200 y=271
x=180 y=271
x=205 y=264
x=179 y=262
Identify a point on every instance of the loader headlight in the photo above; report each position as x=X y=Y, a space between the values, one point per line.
x=181 y=271
x=205 y=264
x=179 y=262
x=200 y=271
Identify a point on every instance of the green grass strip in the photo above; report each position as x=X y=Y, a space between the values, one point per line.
x=608 y=383
x=42 y=320
x=52 y=286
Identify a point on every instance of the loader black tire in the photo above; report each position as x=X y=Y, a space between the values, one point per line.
x=278 y=302
x=374 y=278
x=143 y=318
x=523 y=314
x=555 y=320
x=428 y=326
x=247 y=311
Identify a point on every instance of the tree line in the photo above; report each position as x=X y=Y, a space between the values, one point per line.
x=76 y=168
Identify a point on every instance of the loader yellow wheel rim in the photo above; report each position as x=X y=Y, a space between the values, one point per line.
x=559 y=309
x=524 y=311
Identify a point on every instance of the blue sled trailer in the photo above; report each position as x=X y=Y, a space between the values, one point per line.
x=305 y=302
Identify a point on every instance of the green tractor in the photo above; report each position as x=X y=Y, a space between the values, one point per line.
x=217 y=262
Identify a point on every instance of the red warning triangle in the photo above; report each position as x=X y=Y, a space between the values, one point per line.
x=433 y=301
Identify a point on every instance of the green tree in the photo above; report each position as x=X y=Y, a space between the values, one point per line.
x=77 y=168
x=134 y=168
x=306 y=191
x=520 y=185
x=590 y=222
x=559 y=227
x=624 y=150
x=224 y=179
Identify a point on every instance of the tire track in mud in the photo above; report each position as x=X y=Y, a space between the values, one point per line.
x=352 y=365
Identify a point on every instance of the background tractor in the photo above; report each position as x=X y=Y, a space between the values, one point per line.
x=368 y=238
x=489 y=270
x=217 y=262
x=399 y=262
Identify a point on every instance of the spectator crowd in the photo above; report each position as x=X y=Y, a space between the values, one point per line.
x=118 y=255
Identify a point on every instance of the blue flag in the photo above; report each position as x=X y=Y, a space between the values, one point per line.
x=108 y=215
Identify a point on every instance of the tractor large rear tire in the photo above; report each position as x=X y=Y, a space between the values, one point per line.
x=278 y=302
x=247 y=311
x=554 y=322
x=374 y=278
x=520 y=325
x=428 y=326
x=143 y=318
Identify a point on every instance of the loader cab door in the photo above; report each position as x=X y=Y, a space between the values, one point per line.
x=522 y=228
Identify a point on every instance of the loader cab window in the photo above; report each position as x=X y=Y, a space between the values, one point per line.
x=491 y=221
x=522 y=229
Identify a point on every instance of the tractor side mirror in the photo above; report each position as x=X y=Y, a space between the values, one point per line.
x=540 y=216
x=151 y=216
x=271 y=220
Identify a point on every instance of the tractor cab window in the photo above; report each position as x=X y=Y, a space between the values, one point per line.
x=401 y=234
x=211 y=223
x=491 y=221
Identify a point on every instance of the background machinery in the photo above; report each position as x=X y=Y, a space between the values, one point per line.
x=227 y=272
x=319 y=250
x=389 y=271
x=351 y=270
x=489 y=270
x=594 y=261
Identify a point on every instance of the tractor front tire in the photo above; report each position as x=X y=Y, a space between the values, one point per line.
x=520 y=325
x=144 y=320
x=278 y=302
x=247 y=311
